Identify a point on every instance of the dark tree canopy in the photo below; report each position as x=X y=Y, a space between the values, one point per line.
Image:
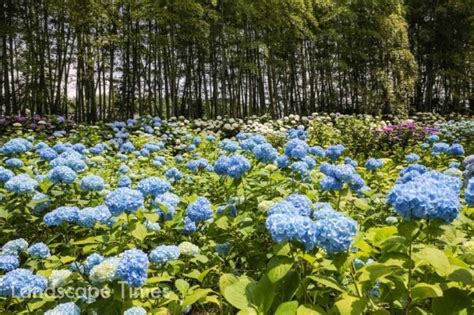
x=106 y=59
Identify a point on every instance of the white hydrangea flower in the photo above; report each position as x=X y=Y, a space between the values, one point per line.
x=58 y=277
x=189 y=249
x=105 y=271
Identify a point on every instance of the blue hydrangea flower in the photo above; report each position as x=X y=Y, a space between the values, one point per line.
x=439 y=148
x=124 y=169
x=14 y=163
x=283 y=161
x=5 y=174
x=71 y=159
x=200 y=210
x=283 y=207
x=22 y=283
x=169 y=201
x=92 y=183
x=456 y=149
x=164 y=253
x=189 y=226
x=334 y=151
x=296 y=148
x=153 y=146
x=47 y=154
x=133 y=267
x=301 y=203
x=136 y=310
x=412 y=157
x=317 y=151
x=124 y=200
x=427 y=196
x=88 y=217
x=330 y=183
x=159 y=161
x=433 y=138
x=39 y=250
x=127 y=147
x=336 y=233
x=9 y=262
x=16 y=146
x=153 y=186
x=283 y=227
x=199 y=164
x=14 y=247
x=373 y=164
x=124 y=181
x=248 y=145
x=469 y=193
x=60 y=215
x=300 y=168
x=223 y=249
x=92 y=261
x=229 y=145
x=322 y=210
x=234 y=166
x=69 y=308
x=349 y=161
x=173 y=174
x=62 y=175
x=152 y=226
x=21 y=184
x=299 y=133
x=265 y=153
x=309 y=161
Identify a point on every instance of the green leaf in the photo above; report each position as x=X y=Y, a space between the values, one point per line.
x=328 y=282
x=424 y=290
x=287 y=308
x=236 y=293
x=453 y=301
x=308 y=309
x=361 y=204
x=261 y=294
x=153 y=217
x=278 y=268
x=67 y=259
x=182 y=286
x=140 y=231
x=195 y=296
x=461 y=275
x=435 y=258
x=225 y=280
x=351 y=305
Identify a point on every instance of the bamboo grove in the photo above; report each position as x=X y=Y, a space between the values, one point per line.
x=106 y=59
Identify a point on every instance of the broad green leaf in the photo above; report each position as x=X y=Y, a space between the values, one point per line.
x=182 y=286
x=261 y=294
x=453 y=301
x=361 y=204
x=236 y=293
x=195 y=296
x=351 y=305
x=308 y=309
x=225 y=280
x=328 y=282
x=278 y=268
x=435 y=258
x=140 y=231
x=287 y=308
x=425 y=290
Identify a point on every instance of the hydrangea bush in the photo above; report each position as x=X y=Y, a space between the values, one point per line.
x=326 y=214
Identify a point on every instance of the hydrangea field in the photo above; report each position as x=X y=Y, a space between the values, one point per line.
x=327 y=214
